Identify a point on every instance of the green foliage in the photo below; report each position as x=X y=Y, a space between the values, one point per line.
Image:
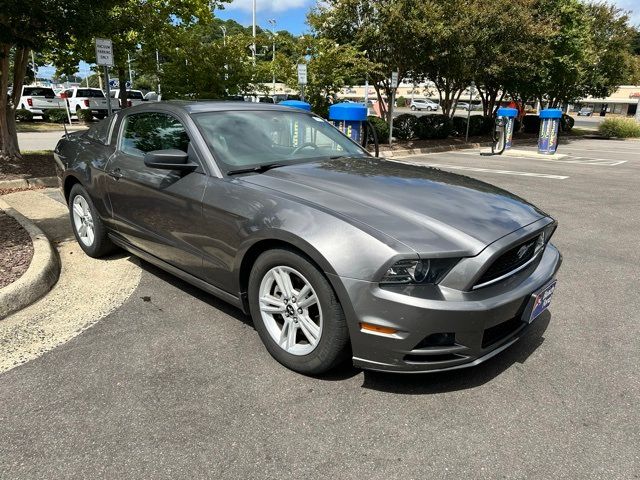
x=478 y=125
x=58 y=115
x=24 y=115
x=620 y=127
x=404 y=126
x=401 y=101
x=434 y=127
x=84 y=116
x=531 y=124
x=381 y=127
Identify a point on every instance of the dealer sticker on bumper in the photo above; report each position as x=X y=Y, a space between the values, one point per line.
x=543 y=300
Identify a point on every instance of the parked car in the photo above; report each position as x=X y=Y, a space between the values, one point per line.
x=585 y=111
x=39 y=100
x=462 y=106
x=92 y=99
x=331 y=251
x=152 y=96
x=424 y=104
x=134 y=97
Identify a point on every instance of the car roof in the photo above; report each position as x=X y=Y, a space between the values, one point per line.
x=225 y=106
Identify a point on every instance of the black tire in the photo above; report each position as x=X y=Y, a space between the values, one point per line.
x=100 y=116
x=414 y=108
x=101 y=244
x=429 y=109
x=333 y=346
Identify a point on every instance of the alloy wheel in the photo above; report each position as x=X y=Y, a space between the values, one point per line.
x=83 y=220
x=290 y=310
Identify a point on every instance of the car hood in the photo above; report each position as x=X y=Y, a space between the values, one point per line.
x=429 y=210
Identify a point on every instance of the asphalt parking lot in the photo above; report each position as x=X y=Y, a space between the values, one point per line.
x=176 y=384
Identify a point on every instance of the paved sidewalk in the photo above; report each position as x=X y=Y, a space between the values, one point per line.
x=87 y=290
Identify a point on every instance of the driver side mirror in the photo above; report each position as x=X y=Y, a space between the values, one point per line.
x=169 y=160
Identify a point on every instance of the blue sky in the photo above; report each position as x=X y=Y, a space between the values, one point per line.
x=289 y=14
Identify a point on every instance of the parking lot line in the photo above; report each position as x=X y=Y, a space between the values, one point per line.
x=574 y=159
x=487 y=170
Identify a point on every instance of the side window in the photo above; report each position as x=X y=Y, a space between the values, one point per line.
x=144 y=132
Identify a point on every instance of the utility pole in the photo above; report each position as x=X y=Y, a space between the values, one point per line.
x=473 y=84
x=35 y=69
x=638 y=111
x=158 y=71
x=272 y=22
x=224 y=35
x=253 y=47
x=130 y=75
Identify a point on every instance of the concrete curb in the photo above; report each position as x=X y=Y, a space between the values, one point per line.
x=29 y=182
x=42 y=274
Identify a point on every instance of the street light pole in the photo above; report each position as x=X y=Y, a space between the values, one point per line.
x=272 y=22
x=253 y=49
x=473 y=84
x=224 y=35
x=130 y=75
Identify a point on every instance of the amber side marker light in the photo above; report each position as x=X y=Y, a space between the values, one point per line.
x=377 y=328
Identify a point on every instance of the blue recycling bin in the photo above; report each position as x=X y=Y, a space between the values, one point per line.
x=508 y=117
x=349 y=118
x=549 y=125
x=296 y=104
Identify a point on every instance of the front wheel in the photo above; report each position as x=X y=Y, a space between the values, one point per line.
x=87 y=225
x=297 y=313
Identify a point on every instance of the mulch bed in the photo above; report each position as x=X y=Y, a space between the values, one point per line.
x=16 y=250
x=34 y=164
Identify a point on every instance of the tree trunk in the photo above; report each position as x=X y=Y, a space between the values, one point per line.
x=9 y=150
x=123 y=87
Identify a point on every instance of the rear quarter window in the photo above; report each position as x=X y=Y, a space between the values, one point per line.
x=100 y=131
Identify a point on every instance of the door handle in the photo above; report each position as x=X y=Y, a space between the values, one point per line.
x=116 y=173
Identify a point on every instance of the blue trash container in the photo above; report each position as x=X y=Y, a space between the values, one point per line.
x=508 y=119
x=549 y=125
x=296 y=104
x=349 y=118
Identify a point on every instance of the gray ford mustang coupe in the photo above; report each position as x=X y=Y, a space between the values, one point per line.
x=333 y=252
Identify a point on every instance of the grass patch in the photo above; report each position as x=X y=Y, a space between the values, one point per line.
x=620 y=128
x=39 y=127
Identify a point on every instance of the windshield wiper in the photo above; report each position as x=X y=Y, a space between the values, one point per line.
x=257 y=169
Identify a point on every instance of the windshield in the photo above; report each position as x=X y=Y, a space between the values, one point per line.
x=90 y=92
x=38 y=92
x=252 y=138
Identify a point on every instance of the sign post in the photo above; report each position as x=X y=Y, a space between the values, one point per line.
x=302 y=78
x=104 y=58
x=394 y=85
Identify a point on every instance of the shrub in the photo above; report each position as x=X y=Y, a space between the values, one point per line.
x=84 y=116
x=566 y=123
x=620 y=127
x=381 y=127
x=57 y=116
x=478 y=125
x=531 y=123
x=401 y=101
x=404 y=126
x=24 y=115
x=434 y=126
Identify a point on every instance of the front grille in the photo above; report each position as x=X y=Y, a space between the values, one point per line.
x=510 y=260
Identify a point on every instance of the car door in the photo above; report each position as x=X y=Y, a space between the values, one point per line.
x=158 y=211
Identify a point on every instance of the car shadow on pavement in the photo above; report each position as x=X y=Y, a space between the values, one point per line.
x=465 y=378
x=195 y=292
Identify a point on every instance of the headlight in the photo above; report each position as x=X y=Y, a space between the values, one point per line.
x=419 y=271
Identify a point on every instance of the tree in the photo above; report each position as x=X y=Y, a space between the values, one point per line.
x=393 y=35
x=27 y=25
x=135 y=25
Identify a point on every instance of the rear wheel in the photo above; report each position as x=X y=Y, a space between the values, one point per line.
x=297 y=313
x=87 y=225
x=413 y=107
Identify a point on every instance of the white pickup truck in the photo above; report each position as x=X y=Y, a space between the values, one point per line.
x=39 y=100
x=134 y=97
x=92 y=99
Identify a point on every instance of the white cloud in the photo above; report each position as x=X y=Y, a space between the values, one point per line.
x=267 y=5
x=633 y=9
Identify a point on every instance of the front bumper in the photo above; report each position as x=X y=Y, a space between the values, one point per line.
x=480 y=323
